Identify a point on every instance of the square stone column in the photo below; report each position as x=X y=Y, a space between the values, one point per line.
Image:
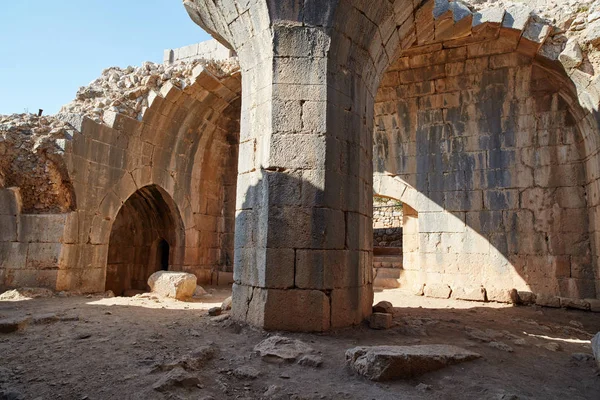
x=303 y=238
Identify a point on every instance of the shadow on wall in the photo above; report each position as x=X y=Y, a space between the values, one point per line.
x=147 y=236
x=315 y=259
x=495 y=164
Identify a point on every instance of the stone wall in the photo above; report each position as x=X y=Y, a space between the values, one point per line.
x=489 y=142
x=175 y=129
x=210 y=50
x=387 y=222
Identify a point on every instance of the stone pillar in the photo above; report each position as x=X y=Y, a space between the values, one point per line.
x=303 y=238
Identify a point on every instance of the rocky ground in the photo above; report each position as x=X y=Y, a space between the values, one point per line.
x=151 y=348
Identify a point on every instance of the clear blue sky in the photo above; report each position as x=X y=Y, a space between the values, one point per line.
x=48 y=49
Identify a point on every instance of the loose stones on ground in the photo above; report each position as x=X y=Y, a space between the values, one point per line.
x=381 y=363
x=279 y=349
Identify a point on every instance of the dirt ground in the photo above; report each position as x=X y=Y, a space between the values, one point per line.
x=116 y=348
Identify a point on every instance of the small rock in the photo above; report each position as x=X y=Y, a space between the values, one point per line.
x=383 y=307
x=571 y=56
x=226 y=306
x=582 y=356
x=272 y=391
x=199 y=291
x=381 y=363
x=423 y=387
x=82 y=336
x=220 y=318
x=10 y=325
x=45 y=318
x=279 y=349
x=501 y=346
x=213 y=312
x=246 y=372
x=309 y=360
x=177 y=377
x=380 y=321
x=551 y=346
x=109 y=294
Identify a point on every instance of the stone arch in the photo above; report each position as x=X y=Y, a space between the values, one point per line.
x=432 y=70
x=182 y=142
x=147 y=217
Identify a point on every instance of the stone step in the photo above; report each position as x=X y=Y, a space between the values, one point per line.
x=392 y=273
x=387 y=262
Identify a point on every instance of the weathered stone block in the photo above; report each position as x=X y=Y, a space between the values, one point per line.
x=439 y=291
x=380 y=320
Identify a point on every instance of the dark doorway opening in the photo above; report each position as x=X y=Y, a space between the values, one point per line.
x=163 y=255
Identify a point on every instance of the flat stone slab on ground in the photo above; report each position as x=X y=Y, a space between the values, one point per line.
x=279 y=349
x=383 y=363
x=10 y=325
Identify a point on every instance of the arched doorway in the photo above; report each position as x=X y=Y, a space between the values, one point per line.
x=147 y=236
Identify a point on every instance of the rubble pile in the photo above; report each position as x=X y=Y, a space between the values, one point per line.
x=31 y=149
x=125 y=90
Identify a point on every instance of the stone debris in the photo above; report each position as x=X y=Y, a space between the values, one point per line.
x=279 y=349
x=526 y=298
x=379 y=320
x=10 y=325
x=177 y=377
x=220 y=318
x=199 y=291
x=383 y=307
x=177 y=285
x=214 y=311
x=501 y=346
x=310 y=360
x=125 y=90
x=439 y=291
x=194 y=361
x=545 y=300
x=246 y=372
x=47 y=318
x=596 y=348
x=582 y=357
x=25 y=294
x=382 y=363
x=226 y=305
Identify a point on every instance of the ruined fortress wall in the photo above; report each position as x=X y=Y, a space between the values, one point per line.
x=492 y=149
x=210 y=50
x=171 y=145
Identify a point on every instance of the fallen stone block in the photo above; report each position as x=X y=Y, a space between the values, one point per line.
x=380 y=320
x=470 y=294
x=177 y=285
x=383 y=307
x=594 y=304
x=382 y=363
x=439 y=291
x=279 y=349
x=10 y=325
x=545 y=300
x=226 y=305
x=526 y=298
x=578 y=304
